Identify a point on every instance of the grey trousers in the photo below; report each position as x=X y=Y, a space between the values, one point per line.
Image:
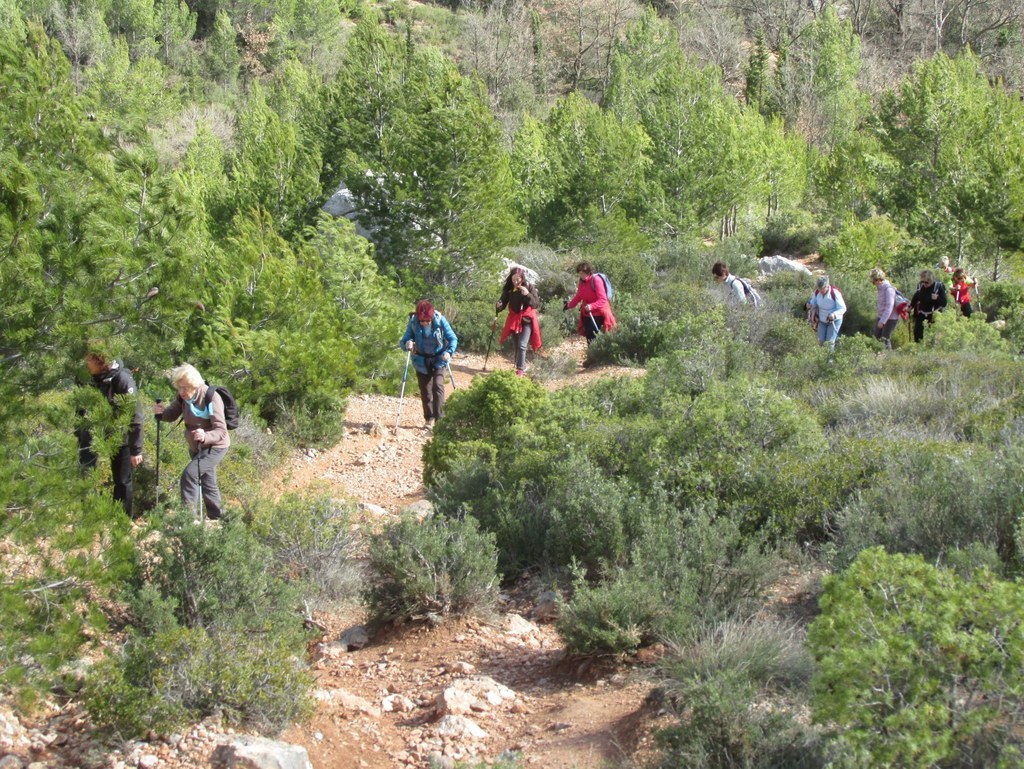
x=204 y=462
x=522 y=340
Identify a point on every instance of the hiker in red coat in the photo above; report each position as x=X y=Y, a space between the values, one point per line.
x=520 y=297
x=595 y=310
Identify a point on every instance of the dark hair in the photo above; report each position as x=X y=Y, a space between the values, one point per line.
x=958 y=273
x=719 y=269
x=586 y=267
x=511 y=274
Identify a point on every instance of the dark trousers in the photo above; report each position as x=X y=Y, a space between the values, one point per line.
x=120 y=471
x=203 y=469
x=592 y=326
x=965 y=308
x=919 y=325
x=885 y=332
x=432 y=393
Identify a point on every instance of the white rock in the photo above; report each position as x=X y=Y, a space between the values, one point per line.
x=460 y=726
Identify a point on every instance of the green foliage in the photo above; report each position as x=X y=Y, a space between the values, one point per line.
x=724 y=730
x=73 y=545
x=874 y=242
x=212 y=577
x=932 y=499
x=312 y=542
x=181 y=675
x=437 y=568
x=794 y=232
x=917 y=667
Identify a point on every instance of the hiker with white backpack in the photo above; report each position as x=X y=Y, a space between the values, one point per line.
x=740 y=289
x=827 y=308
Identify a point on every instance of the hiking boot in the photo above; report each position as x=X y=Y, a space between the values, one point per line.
x=520 y=372
x=429 y=424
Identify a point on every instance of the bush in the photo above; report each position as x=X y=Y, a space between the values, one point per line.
x=917 y=667
x=794 y=232
x=931 y=499
x=441 y=567
x=211 y=576
x=725 y=727
x=311 y=542
x=768 y=653
x=861 y=245
x=183 y=675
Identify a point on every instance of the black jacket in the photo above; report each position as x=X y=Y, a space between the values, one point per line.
x=516 y=301
x=115 y=381
x=928 y=299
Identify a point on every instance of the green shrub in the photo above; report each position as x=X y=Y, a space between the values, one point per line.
x=441 y=567
x=637 y=339
x=724 y=726
x=768 y=653
x=183 y=675
x=873 y=242
x=212 y=577
x=499 y=410
x=311 y=542
x=917 y=667
x=794 y=232
x=931 y=498
x=618 y=615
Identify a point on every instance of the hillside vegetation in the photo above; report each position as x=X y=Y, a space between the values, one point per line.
x=163 y=167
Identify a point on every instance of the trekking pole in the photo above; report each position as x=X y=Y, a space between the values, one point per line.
x=401 y=395
x=594 y=322
x=490 y=342
x=159 y=424
x=199 y=474
x=448 y=365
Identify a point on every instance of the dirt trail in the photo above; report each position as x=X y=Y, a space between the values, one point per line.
x=564 y=713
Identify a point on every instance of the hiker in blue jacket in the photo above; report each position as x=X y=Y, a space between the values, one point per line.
x=827 y=308
x=430 y=339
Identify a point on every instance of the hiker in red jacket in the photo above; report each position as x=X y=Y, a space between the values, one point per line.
x=595 y=310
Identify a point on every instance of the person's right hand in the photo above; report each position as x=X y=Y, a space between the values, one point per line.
x=409 y=345
x=880 y=324
x=497 y=306
x=565 y=305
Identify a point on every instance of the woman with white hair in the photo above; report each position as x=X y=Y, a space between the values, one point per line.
x=206 y=432
x=827 y=308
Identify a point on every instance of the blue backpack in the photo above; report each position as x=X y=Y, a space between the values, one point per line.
x=608 y=290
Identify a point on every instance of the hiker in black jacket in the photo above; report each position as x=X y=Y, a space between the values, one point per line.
x=929 y=299
x=112 y=379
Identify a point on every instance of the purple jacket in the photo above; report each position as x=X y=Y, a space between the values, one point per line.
x=886 y=305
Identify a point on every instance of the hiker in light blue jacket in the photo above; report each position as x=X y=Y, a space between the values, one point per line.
x=826 y=309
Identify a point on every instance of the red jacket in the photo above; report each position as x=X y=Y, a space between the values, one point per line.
x=591 y=291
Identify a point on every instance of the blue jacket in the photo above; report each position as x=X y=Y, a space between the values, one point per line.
x=430 y=342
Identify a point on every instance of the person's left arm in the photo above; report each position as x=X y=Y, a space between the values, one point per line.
x=451 y=342
x=839 y=310
x=218 y=430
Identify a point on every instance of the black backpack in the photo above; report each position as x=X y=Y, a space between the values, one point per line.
x=231 y=410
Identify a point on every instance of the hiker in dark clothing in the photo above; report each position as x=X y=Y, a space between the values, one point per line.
x=117 y=384
x=521 y=324
x=201 y=408
x=430 y=339
x=929 y=299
